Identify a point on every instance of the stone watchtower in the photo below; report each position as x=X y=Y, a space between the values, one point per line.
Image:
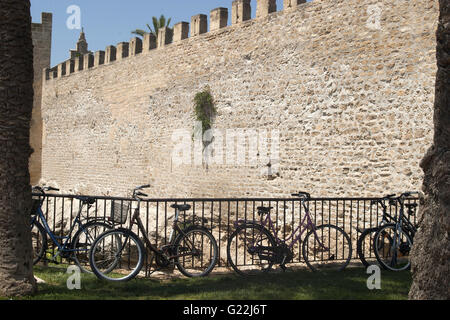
x=82 y=46
x=42 y=47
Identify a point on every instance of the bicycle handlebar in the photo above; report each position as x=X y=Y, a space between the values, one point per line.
x=380 y=201
x=145 y=186
x=393 y=197
x=137 y=193
x=408 y=194
x=43 y=189
x=302 y=194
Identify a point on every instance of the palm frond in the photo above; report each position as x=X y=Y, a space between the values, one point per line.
x=155 y=25
x=162 y=21
x=139 y=32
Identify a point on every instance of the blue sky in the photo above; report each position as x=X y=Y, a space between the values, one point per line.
x=108 y=22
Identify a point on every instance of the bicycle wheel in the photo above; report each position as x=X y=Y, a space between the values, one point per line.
x=392 y=247
x=251 y=250
x=197 y=252
x=327 y=247
x=364 y=247
x=117 y=255
x=38 y=240
x=82 y=241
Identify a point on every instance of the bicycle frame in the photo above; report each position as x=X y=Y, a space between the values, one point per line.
x=62 y=247
x=300 y=229
x=387 y=218
x=409 y=230
x=403 y=220
x=136 y=219
x=400 y=219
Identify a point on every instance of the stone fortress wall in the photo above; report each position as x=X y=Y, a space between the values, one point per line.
x=350 y=95
x=42 y=45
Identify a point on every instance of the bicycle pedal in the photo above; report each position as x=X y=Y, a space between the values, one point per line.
x=168 y=269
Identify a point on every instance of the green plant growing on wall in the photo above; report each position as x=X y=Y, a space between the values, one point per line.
x=204 y=108
x=204 y=111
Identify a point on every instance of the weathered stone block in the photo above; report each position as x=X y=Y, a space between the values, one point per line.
x=99 y=58
x=47 y=19
x=264 y=7
x=79 y=63
x=88 y=61
x=46 y=74
x=199 y=24
x=149 y=42
x=218 y=18
x=180 y=31
x=240 y=11
x=123 y=49
x=54 y=73
x=111 y=53
x=70 y=66
x=61 y=69
x=135 y=46
x=165 y=37
x=289 y=4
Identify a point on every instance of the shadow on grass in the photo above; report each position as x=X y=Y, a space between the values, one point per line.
x=295 y=285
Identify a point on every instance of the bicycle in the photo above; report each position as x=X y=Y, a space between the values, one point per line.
x=119 y=254
x=74 y=248
x=366 y=238
x=266 y=249
x=392 y=243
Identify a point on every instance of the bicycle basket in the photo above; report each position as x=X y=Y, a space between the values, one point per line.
x=411 y=208
x=119 y=211
x=35 y=204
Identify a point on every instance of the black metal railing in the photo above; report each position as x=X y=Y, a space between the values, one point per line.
x=219 y=215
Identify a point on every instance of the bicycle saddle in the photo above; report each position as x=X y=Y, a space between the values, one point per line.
x=86 y=200
x=393 y=202
x=181 y=207
x=264 y=210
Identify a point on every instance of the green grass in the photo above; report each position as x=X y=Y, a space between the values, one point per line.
x=294 y=285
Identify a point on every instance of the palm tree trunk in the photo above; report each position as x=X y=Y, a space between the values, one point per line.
x=16 y=103
x=431 y=252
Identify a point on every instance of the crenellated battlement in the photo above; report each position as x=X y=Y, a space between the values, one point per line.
x=218 y=19
x=46 y=23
